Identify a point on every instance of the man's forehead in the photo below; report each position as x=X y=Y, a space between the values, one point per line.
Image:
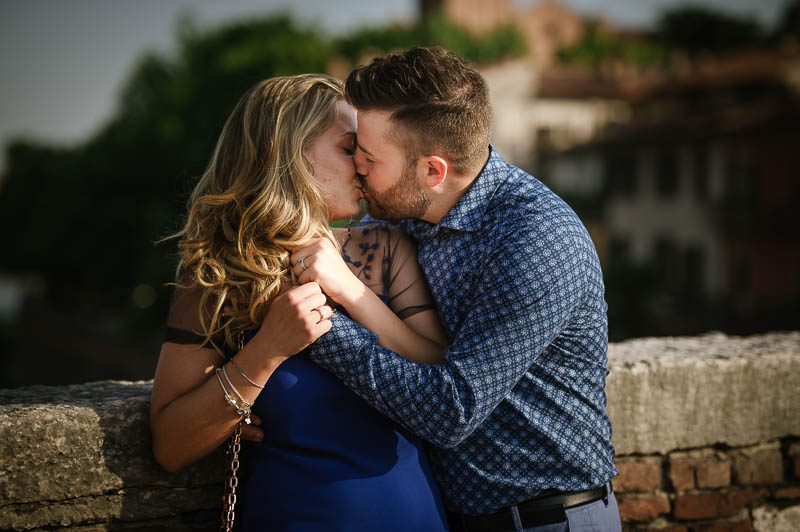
x=373 y=118
x=374 y=127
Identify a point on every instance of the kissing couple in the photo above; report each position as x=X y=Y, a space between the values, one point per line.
x=438 y=366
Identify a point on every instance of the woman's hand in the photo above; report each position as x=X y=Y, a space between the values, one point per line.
x=320 y=262
x=294 y=320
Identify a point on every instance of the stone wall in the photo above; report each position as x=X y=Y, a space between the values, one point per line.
x=707 y=432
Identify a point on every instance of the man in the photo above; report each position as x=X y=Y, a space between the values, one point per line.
x=516 y=413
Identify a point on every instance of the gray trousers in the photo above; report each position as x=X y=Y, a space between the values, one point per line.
x=598 y=516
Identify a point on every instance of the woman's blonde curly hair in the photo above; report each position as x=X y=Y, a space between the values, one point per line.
x=256 y=201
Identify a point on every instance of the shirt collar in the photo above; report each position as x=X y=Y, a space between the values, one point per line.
x=467 y=214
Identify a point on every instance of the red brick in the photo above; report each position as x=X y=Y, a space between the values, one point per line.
x=643 y=474
x=642 y=508
x=713 y=474
x=794 y=450
x=788 y=493
x=698 y=506
x=714 y=504
x=759 y=466
x=703 y=469
x=681 y=473
x=727 y=526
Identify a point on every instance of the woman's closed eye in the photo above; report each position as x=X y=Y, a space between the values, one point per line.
x=350 y=147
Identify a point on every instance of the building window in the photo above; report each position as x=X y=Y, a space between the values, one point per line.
x=666 y=173
x=694 y=286
x=620 y=248
x=742 y=172
x=700 y=170
x=667 y=261
x=620 y=170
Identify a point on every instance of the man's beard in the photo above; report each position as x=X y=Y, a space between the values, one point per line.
x=404 y=199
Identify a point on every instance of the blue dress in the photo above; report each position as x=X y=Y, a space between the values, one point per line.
x=330 y=462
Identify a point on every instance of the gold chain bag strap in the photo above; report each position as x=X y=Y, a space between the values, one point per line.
x=232 y=466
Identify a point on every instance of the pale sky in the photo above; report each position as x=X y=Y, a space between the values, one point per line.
x=62 y=62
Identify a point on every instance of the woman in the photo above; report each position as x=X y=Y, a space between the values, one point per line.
x=281 y=171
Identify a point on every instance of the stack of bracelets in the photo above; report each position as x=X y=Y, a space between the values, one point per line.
x=244 y=409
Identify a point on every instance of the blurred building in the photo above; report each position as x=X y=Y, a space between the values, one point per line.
x=538 y=109
x=533 y=100
x=546 y=26
x=700 y=184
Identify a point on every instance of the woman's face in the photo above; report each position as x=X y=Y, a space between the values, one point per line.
x=331 y=157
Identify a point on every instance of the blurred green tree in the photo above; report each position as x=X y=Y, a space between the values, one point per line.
x=596 y=47
x=85 y=219
x=500 y=43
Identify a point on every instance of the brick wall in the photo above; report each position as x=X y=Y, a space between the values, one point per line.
x=706 y=429
x=710 y=489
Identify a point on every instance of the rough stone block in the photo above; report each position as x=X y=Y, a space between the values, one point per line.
x=643 y=508
x=86 y=451
x=719 y=381
x=759 y=466
x=638 y=474
x=714 y=504
x=771 y=519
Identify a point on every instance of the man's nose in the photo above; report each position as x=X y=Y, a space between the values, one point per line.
x=360 y=163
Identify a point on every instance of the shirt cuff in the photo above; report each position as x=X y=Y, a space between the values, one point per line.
x=343 y=342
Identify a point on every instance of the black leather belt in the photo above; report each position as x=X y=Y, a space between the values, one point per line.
x=543 y=510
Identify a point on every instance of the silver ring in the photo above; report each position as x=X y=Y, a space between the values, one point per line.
x=303 y=263
x=321 y=317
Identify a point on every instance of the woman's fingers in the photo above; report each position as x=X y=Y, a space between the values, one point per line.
x=298 y=294
x=310 y=304
x=305 y=256
x=324 y=312
x=251 y=433
x=300 y=264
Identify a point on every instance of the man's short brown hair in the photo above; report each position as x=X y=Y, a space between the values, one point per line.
x=439 y=101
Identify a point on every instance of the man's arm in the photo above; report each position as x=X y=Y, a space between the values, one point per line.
x=527 y=292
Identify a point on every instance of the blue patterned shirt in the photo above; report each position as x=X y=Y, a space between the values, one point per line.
x=518 y=406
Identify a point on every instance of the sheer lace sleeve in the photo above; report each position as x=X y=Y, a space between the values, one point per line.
x=385 y=260
x=405 y=287
x=185 y=322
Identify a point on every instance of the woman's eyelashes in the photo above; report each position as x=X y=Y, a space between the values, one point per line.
x=350 y=148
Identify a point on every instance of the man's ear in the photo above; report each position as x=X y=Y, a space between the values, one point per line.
x=435 y=170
